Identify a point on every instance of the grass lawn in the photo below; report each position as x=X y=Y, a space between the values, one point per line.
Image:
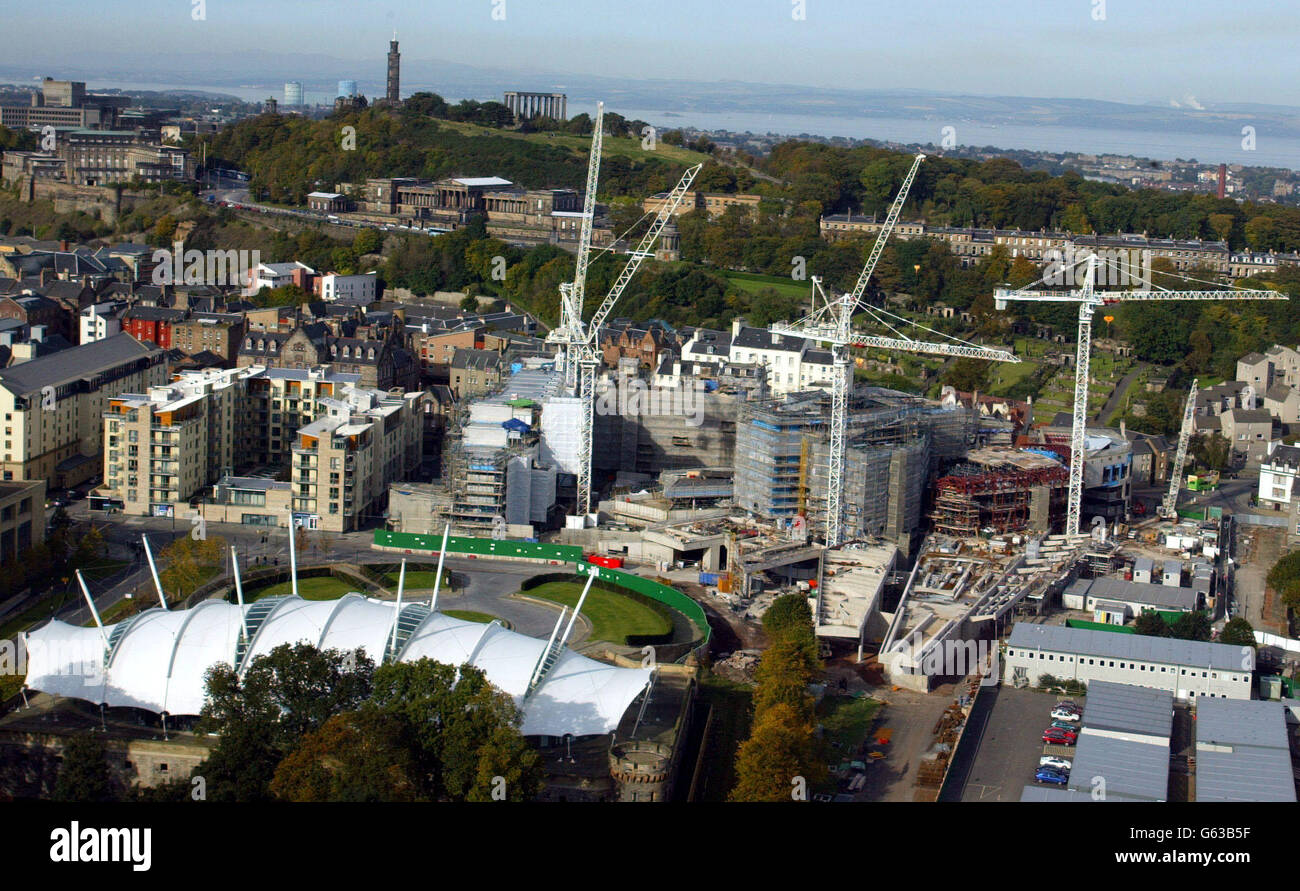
x=622 y=146
x=612 y=616
x=1006 y=375
x=732 y=714
x=752 y=282
x=416 y=580
x=103 y=569
x=470 y=615
x=321 y=587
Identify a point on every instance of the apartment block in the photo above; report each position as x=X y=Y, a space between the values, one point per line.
x=345 y=460
x=53 y=406
x=164 y=446
x=22 y=518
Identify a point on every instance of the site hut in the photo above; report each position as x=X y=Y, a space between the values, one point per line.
x=1242 y=752
x=1189 y=669
x=1122 y=752
x=1116 y=601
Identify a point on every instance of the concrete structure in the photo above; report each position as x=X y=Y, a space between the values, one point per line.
x=250 y=501
x=1187 y=669
x=534 y=105
x=53 y=406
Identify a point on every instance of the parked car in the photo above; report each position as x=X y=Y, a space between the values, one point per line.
x=1052 y=776
x=1065 y=725
x=1060 y=737
x=1065 y=714
x=1055 y=761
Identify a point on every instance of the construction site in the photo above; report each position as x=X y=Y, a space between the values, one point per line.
x=999 y=489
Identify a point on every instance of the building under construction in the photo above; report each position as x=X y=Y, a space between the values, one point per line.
x=1000 y=489
x=895 y=441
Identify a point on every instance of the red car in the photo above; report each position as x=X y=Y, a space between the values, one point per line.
x=1059 y=736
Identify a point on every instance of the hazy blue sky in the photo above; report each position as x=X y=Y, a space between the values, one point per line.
x=1144 y=50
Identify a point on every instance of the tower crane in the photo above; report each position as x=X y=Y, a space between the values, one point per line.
x=831 y=322
x=1169 y=510
x=568 y=334
x=1089 y=298
x=588 y=358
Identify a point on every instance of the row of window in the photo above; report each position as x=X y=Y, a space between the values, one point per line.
x=1140 y=666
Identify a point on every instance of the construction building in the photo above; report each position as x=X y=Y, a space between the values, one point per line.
x=999 y=489
x=894 y=440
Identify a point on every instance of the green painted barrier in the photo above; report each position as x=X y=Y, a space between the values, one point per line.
x=486 y=547
x=1097 y=626
x=655 y=591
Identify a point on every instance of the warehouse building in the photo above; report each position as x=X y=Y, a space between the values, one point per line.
x=1186 y=668
x=1116 y=601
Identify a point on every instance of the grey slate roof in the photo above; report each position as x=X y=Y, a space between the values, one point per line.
x=1242 y=752
x=1109 y=644
x=73 y=364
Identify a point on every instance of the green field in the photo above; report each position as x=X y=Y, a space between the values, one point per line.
x=469 y=615
x=612 y=147
x=321 y=587
x=612 y=616
x=416 y=580
x=1005 y=375
x=752 y=283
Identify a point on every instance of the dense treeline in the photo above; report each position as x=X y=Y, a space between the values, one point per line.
x=289 y=156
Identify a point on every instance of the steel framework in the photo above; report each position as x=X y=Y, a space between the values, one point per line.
x=1089 y=299
x=831 y=322
x=1169 y=510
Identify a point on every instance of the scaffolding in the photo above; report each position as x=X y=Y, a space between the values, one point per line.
x=972 y=498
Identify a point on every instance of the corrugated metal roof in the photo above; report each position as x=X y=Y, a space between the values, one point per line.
x=1242 y=752
x=1120 y=768
x=1167 y=650
x=1129 y=709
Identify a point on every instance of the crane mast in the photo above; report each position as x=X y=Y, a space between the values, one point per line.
x=1089 y=299
x=587 y=357
x=1169 y=510
x=831 y=322
x=568 y=334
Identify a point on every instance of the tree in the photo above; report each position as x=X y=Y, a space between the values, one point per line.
x=469 y=303
x=1150 y=623
x=783 y=676
x=788 y=613
x=1284 y=578
x=84 y=775
x=361 y=756
x=284 y=696
x=1238 y=632
x=464 y=731
x=1211 y=451
x=780 y=750
x=967 y=375
x=367 y=241
x=1191 y=626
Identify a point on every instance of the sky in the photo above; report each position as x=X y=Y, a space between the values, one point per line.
x=1134 y=51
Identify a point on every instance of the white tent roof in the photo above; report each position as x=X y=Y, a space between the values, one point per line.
x=157 y=659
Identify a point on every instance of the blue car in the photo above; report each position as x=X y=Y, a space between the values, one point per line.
x=1052 y=775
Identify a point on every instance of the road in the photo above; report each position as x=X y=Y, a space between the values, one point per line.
x=1117 y=397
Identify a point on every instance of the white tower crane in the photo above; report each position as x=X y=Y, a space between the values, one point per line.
x=1169 y=510
x=568 y=334
x=587 y=356
x=830 y=322
x=1089 y=298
